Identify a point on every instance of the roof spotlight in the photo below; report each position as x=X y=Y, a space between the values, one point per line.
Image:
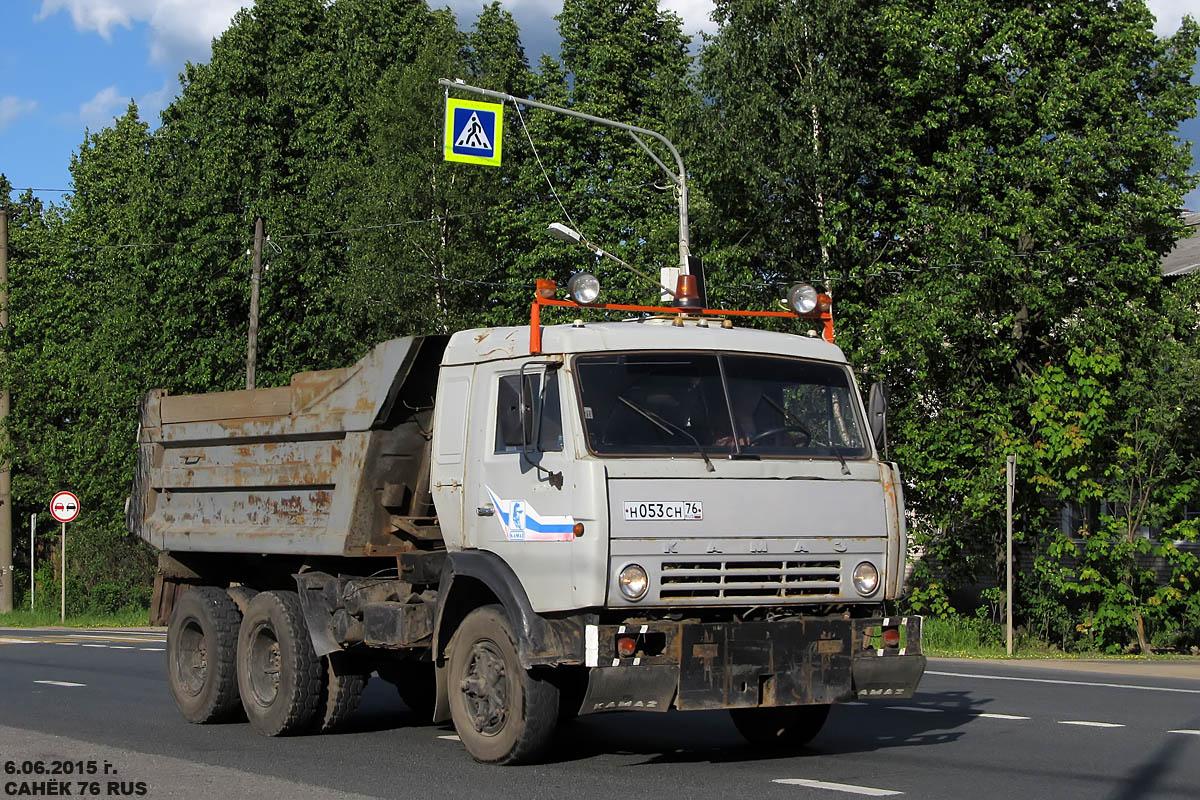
x=802 y=298
x=584 y=288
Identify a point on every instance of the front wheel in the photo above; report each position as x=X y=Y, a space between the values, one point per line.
x=784 y=726
x=504 y=714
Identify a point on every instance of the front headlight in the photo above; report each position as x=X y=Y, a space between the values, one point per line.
x=866 y=579
x=633 y=582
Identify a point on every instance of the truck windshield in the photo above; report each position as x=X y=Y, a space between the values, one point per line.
x=727 y=403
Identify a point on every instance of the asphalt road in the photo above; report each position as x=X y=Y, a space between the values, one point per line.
x=975 y=730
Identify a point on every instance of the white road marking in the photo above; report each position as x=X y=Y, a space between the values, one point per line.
x=65 y=644
x=838 y=787
x=61 y=683
x=1088 y=724
x=16 y=641
x=1060 y=682
x=1000 y=716
x=1186 y=730
x=153 y=649
x=451 y=738
x=916 y=708
x=94 y=645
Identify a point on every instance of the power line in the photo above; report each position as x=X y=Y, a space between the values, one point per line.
x=18 y=190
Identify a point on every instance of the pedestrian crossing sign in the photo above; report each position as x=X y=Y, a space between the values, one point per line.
x=473 y=132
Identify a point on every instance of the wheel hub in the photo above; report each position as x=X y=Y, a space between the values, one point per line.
x=264 y=667
x=485 y=688
x=191 y=663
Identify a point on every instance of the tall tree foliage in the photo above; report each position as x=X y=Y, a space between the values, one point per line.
x=988 y=189
x=788 y=143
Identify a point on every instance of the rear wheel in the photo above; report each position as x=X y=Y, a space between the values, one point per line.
x=341 y=692
x=503 y=713
x=416 y=683
x=279 y=674
x=201 y=655
x=785 y=726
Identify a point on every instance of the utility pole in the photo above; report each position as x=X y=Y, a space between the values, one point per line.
x=255 y=273
x=6 y=550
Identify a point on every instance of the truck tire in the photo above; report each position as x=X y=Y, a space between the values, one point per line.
x=279 y=674
x=504 y=714
x=201 y=655
x=341 y=692
x=416 y=684
x=783 y=726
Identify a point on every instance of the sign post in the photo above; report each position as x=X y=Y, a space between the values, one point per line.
x=32 y=536
x=1011 y=486
x=64 y=507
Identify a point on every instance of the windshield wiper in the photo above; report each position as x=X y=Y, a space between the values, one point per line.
x=669 y=428
x=788 y=416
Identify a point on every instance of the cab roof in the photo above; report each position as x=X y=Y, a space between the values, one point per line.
x=492 y=344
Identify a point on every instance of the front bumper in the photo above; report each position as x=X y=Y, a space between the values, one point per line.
x=803 y=661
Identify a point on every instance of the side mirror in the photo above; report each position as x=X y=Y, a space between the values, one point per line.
x=877 y=413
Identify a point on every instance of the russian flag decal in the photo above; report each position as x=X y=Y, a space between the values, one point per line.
x=522 y=523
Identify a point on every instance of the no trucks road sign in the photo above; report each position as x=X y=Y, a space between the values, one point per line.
x=473 y=132
x=64 y=507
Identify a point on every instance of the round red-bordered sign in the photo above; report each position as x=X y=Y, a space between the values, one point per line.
x=64 y=507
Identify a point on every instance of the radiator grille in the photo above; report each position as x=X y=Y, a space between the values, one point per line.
x=749 y=580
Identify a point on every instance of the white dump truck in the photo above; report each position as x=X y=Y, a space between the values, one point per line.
x=516 y=525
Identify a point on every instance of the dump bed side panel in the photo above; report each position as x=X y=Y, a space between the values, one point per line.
x=317 y=467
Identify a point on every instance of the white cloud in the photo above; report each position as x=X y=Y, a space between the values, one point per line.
x=179 y=29
x=1169 y=13
x=11 y=108
x=696 y=14
x=183 y=29
x=98 y=112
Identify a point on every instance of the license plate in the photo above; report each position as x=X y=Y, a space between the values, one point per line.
x=669 y=510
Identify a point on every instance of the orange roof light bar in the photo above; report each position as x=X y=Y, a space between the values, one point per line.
x=547 y=289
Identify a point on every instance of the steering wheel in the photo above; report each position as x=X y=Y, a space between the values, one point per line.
x=758 y=437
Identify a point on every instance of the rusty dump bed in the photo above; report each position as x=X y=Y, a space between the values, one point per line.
x=336 y=463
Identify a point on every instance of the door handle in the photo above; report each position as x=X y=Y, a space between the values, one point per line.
x=485 y=511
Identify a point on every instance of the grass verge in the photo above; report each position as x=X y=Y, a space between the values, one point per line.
x=129 y=617
x=966 y=637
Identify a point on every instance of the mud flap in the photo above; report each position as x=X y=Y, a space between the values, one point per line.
x=630 y=688
x=887 y=676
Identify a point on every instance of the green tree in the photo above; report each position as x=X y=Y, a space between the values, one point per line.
x=787 y=143
x=990 y=202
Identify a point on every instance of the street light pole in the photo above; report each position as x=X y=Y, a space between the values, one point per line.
x=679 y=177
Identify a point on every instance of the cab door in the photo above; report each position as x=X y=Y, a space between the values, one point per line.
x=520 y=486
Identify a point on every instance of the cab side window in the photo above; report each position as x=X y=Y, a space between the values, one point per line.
x=509 y=426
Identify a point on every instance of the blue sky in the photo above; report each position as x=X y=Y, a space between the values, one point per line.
x=71 y=65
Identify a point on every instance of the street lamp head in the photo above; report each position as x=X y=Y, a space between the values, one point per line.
x=563 y=233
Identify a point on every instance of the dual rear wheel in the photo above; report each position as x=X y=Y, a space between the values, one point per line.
x=222 y=663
